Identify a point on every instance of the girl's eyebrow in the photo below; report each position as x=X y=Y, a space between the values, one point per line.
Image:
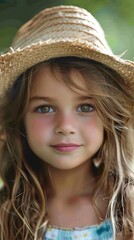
x=37 y=98
x=82 y=97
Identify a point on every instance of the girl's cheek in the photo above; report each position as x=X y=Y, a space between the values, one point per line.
x=39 y=125
x=90 y=123
x=93 y=125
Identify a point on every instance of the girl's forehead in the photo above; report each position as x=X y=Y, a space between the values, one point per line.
x=53 y=77
x=57 y=71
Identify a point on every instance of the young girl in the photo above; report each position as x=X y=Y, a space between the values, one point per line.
x=67 y=132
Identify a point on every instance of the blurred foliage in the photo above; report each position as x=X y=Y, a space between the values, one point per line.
x=115 y=16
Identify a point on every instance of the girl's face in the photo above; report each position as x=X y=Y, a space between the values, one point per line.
x=62 y=126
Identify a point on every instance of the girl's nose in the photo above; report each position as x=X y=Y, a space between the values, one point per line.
x=65 y=125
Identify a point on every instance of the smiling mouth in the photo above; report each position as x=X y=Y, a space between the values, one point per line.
x=66 y=147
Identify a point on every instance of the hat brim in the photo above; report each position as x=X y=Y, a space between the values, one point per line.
x=13 y=64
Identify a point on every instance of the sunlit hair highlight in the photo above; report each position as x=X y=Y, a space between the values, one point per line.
x=24 y=193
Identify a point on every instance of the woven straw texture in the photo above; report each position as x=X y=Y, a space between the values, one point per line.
x=58 y=32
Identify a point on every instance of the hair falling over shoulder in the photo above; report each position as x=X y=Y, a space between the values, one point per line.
x=23 y=198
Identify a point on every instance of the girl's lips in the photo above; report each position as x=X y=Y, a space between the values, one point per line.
x=66 y=147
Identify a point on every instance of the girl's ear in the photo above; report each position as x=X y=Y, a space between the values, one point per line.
x=2 y=135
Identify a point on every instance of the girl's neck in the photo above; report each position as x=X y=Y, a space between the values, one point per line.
x=67 y=184
x=71 y=198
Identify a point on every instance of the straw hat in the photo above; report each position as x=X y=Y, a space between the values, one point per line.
x=58 y=32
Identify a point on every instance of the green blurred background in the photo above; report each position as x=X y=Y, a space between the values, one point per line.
x=115 y=16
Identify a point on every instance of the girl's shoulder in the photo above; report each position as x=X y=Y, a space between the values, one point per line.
x=101 y=231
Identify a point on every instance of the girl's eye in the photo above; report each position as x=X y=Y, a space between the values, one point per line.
x=44 y=109
x=85 y=108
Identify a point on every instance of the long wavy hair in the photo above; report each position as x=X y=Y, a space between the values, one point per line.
x=23 y=196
